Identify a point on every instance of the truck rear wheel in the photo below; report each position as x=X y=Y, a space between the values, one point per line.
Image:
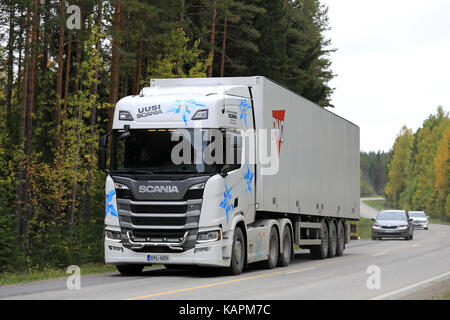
x=130 y=269
x=321 y=251
x=274 y=250
x=237 y=253
x=340 y=239
x=332 y=244
x=285 y=257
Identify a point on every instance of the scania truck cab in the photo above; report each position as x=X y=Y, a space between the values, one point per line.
x=183 y=185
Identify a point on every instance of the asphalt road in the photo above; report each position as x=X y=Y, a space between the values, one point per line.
x=366 y=211
x=404 y=268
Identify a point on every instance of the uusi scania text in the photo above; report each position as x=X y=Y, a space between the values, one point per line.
x=236 y=210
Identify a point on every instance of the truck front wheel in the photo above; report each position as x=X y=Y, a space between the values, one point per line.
x=130 y=269
x=237 y=253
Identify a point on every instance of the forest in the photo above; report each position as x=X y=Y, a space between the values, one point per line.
x=419 y=168
x=64 y=65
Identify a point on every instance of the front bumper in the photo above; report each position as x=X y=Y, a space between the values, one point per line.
x=390 y=233
x=423 y=225
x=215 y=254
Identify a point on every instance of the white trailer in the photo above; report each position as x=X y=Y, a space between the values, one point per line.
x=253 y=209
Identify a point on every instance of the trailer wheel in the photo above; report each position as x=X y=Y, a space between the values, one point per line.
x=340 y=239
x=130 y=269
x=237 y=253
x=332 y=244
x=285 y=257
x=274 y=249
x=321 y=251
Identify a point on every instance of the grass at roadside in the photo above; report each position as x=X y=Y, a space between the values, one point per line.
x=377 y=204
x=364 y=227
x=11 y=277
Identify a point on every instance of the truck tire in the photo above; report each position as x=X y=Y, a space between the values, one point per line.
x=340 y=239
x=285 y=257
x=321 y=251
x=333 y=236
x=237 y=253
x=274 y=250
x=130 y=269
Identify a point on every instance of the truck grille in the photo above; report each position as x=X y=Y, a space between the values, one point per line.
x=158 y=208
x=158 y=221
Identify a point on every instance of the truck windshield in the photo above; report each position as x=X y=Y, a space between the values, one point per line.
x=150 y=151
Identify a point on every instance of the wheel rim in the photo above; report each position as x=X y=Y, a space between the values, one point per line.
x=325 y=239
x=238 y=251
x=287 y=245
x=273 y=248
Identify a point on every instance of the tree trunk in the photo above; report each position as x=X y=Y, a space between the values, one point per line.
x=92 y=120
x=139 y=67
x=21 y=172
x=182 y=11
x=59 y=78
x=224 y=42
x=213 y=34
x=10 y=66
x=66 y=89
x=115 y=71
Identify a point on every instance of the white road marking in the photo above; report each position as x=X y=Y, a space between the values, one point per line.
x=410 y=287
x=379 y=254
x=299 y=270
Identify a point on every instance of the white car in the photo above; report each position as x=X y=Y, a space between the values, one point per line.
x=420 y=219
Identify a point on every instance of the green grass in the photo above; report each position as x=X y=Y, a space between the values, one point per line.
x=377 y=204
x=364 y=228
x=11 y=277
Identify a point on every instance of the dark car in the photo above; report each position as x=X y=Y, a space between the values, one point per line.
x=392 y=224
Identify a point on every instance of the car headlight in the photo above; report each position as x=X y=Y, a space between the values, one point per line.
x=209 y=236
x=376 y=226
x=402 y=227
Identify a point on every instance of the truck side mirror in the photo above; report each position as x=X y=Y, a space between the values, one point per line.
x=102 y=148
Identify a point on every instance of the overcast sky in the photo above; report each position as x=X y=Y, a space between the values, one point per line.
x=392 y=64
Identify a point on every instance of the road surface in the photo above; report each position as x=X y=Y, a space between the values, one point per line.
x=366 y=211
x=404 y=267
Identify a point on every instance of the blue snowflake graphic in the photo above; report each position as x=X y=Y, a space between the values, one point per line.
x=184 y=107
x=226 y=202
x=244 y=106
x=248 y=177
x=109 y=207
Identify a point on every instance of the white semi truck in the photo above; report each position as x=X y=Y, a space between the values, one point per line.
x=281 y=170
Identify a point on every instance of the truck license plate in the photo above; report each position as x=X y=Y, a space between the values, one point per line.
x=157 y=258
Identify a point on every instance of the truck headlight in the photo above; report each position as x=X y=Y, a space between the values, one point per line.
x=208 y=236
x=114 y=236
x=125 y=116
x=197 y=186
x=200 y=115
